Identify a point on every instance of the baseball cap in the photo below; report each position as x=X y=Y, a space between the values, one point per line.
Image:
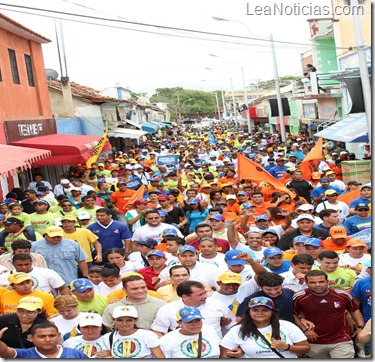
x=2 y=217
x=81 y=284
x=330 y=192
x=193 y=201
x=304 y=216
x=140 y=202
x=305 y=207
x=68 y=218
x=261 y=301
x=368 y=185
x=53 y=231
x=262 y=217
x=188 y=314
x=184 y=248
x=299 y=239
x=343 y=152
x=30 y=303
x=147 y=242
x=156 y=253
x=272 y=251
x=242 y=193
x=76 y=189
x=205 y=186
x=163 y=197
x=100 y=164
x=356 y=242
x=361 y=205
x=230 y=260
x=217 y=217
x=64 y=181
x=160 y=184
x=41 y=201
x=121 y=311
x=313 y=242
x=169 y=231
x=42 y=188
x=270 y=231
x=83 y=215
x=315 y=175
x=330 y=173
x=356 y=183
x=247 y=205
x=230 y=277
x=90 y=319
x=324 y=180
x=17 y=278
x=337 y=232
x=230 y=197
x=12 y=221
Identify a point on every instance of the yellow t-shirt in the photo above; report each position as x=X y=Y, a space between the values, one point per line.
x=85 y=238
x=10 y=299
x=25 y=218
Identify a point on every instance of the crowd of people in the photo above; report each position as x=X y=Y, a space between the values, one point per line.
x=163 y=250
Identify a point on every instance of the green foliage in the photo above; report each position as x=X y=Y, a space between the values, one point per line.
x=270 y=84
x=187 y=102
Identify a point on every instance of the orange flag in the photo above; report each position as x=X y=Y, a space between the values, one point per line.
x=312 y=160
x=348 y=197
x=136 y=196
x=248 y=169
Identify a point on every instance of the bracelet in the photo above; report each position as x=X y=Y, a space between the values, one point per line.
x=305 y=330
x=253 y=262
x=287 y=348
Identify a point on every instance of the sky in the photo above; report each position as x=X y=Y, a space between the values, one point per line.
x=143 y=58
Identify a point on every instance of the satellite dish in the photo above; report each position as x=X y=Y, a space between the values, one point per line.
x=51 y=74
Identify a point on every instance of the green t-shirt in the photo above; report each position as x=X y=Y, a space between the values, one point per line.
x=25 y=218
x=341 y=278
x=95 y=305
x=40 y=222
x=9 y=240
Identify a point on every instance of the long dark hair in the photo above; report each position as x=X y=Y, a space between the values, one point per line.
x=248 y=328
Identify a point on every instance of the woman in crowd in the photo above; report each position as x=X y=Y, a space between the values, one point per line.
x=261 y=334
x=196 y=215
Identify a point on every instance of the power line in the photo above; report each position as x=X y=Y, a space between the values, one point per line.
x=163 y=26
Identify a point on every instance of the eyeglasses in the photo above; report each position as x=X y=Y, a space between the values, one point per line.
x=207 y=239
x=362 y=209
x=67 y=205
x=153 y=218
x=333 y=195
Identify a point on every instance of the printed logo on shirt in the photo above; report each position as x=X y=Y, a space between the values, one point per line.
x=190 y=348
x=126 y=348
x=259 y=341
x=336 y=304
x=323 y=301
x=89 y=349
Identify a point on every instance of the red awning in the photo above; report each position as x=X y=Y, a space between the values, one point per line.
x=13 y=157
x=65 y=149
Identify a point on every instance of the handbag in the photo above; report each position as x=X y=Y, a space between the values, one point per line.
x=274 y=350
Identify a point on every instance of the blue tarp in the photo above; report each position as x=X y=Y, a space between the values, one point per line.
x=149 y=127
x=352 y=128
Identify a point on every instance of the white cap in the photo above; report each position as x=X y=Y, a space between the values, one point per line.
x=144 y=150
x=295 y=144
x=82 y=215
x=343 y=153
x=90 y=319
x=64 y=181
x=230 y=197
x=76 y=189
x=305 y=207
x=124 y=311
x=305 y=216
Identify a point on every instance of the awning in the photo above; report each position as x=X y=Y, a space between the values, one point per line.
x=352 y=128
x=13 y=157
x=125 y=133
x=66 y=149
x=149 y=127
x=134 y=124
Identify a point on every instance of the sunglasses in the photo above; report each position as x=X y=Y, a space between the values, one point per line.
x=362 y=209
x=333 y=195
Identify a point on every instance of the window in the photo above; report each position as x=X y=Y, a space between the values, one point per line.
x=29 y=69
x=13 y=66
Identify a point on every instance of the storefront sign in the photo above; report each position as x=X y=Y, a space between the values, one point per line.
x=20 y=130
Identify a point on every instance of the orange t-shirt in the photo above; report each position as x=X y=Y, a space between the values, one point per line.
x=329 y=244
x=260 y=210
x=235 y=208
x=121 y=198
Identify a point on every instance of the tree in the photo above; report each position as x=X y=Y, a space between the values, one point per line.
x=270 y=84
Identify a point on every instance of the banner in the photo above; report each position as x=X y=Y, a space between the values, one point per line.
x=135 y=183
x=211 y=139
x=138 y=195
x=312 y=160
x=97 y=150
x=167 y=160
x=250 y=170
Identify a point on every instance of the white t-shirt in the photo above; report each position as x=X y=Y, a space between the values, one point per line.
x=65 y=326
x=136 y=345
x=246 y=289
x=147 y=231
x=89 y=348
x=171 y=259
x=256 y=348
x=346 y=259
x=136 y=257
x=290 y=281
x=212 y=311
x=104 y=289
x=131 y=266
x=341 y=207
x=44 y=279
x=259 y=256
x=230 y=301
x=218 y=261
x=177 y=345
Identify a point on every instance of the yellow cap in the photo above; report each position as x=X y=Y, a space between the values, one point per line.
x=230 y=277
x=53 y=231
x=17 y=278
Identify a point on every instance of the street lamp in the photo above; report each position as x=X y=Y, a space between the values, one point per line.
x=276 y=75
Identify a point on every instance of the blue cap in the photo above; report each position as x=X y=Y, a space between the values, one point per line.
x=247 y=205
x=262 y=217
x=170 y=231
x=313 y=242
x=162 y=213
x=80 y=285
x=157 y=253
x=184 y=248
x=299 y=239
x=242 y=193
x=232 y=261
x=272 y=251
x=193 y=201
x=188 y=314
x=217 y=217
x=147 y=242
x=270 y=231
x=261 y=301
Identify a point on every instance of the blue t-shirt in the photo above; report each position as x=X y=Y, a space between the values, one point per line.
x=317 y=191
x=277 y=172
x=283 y=303
x=285 y=266
x=362 y=290
x=31 y=353
x=355 y=224
x=358 y=200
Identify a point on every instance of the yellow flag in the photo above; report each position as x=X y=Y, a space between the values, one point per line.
x=97 y=150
